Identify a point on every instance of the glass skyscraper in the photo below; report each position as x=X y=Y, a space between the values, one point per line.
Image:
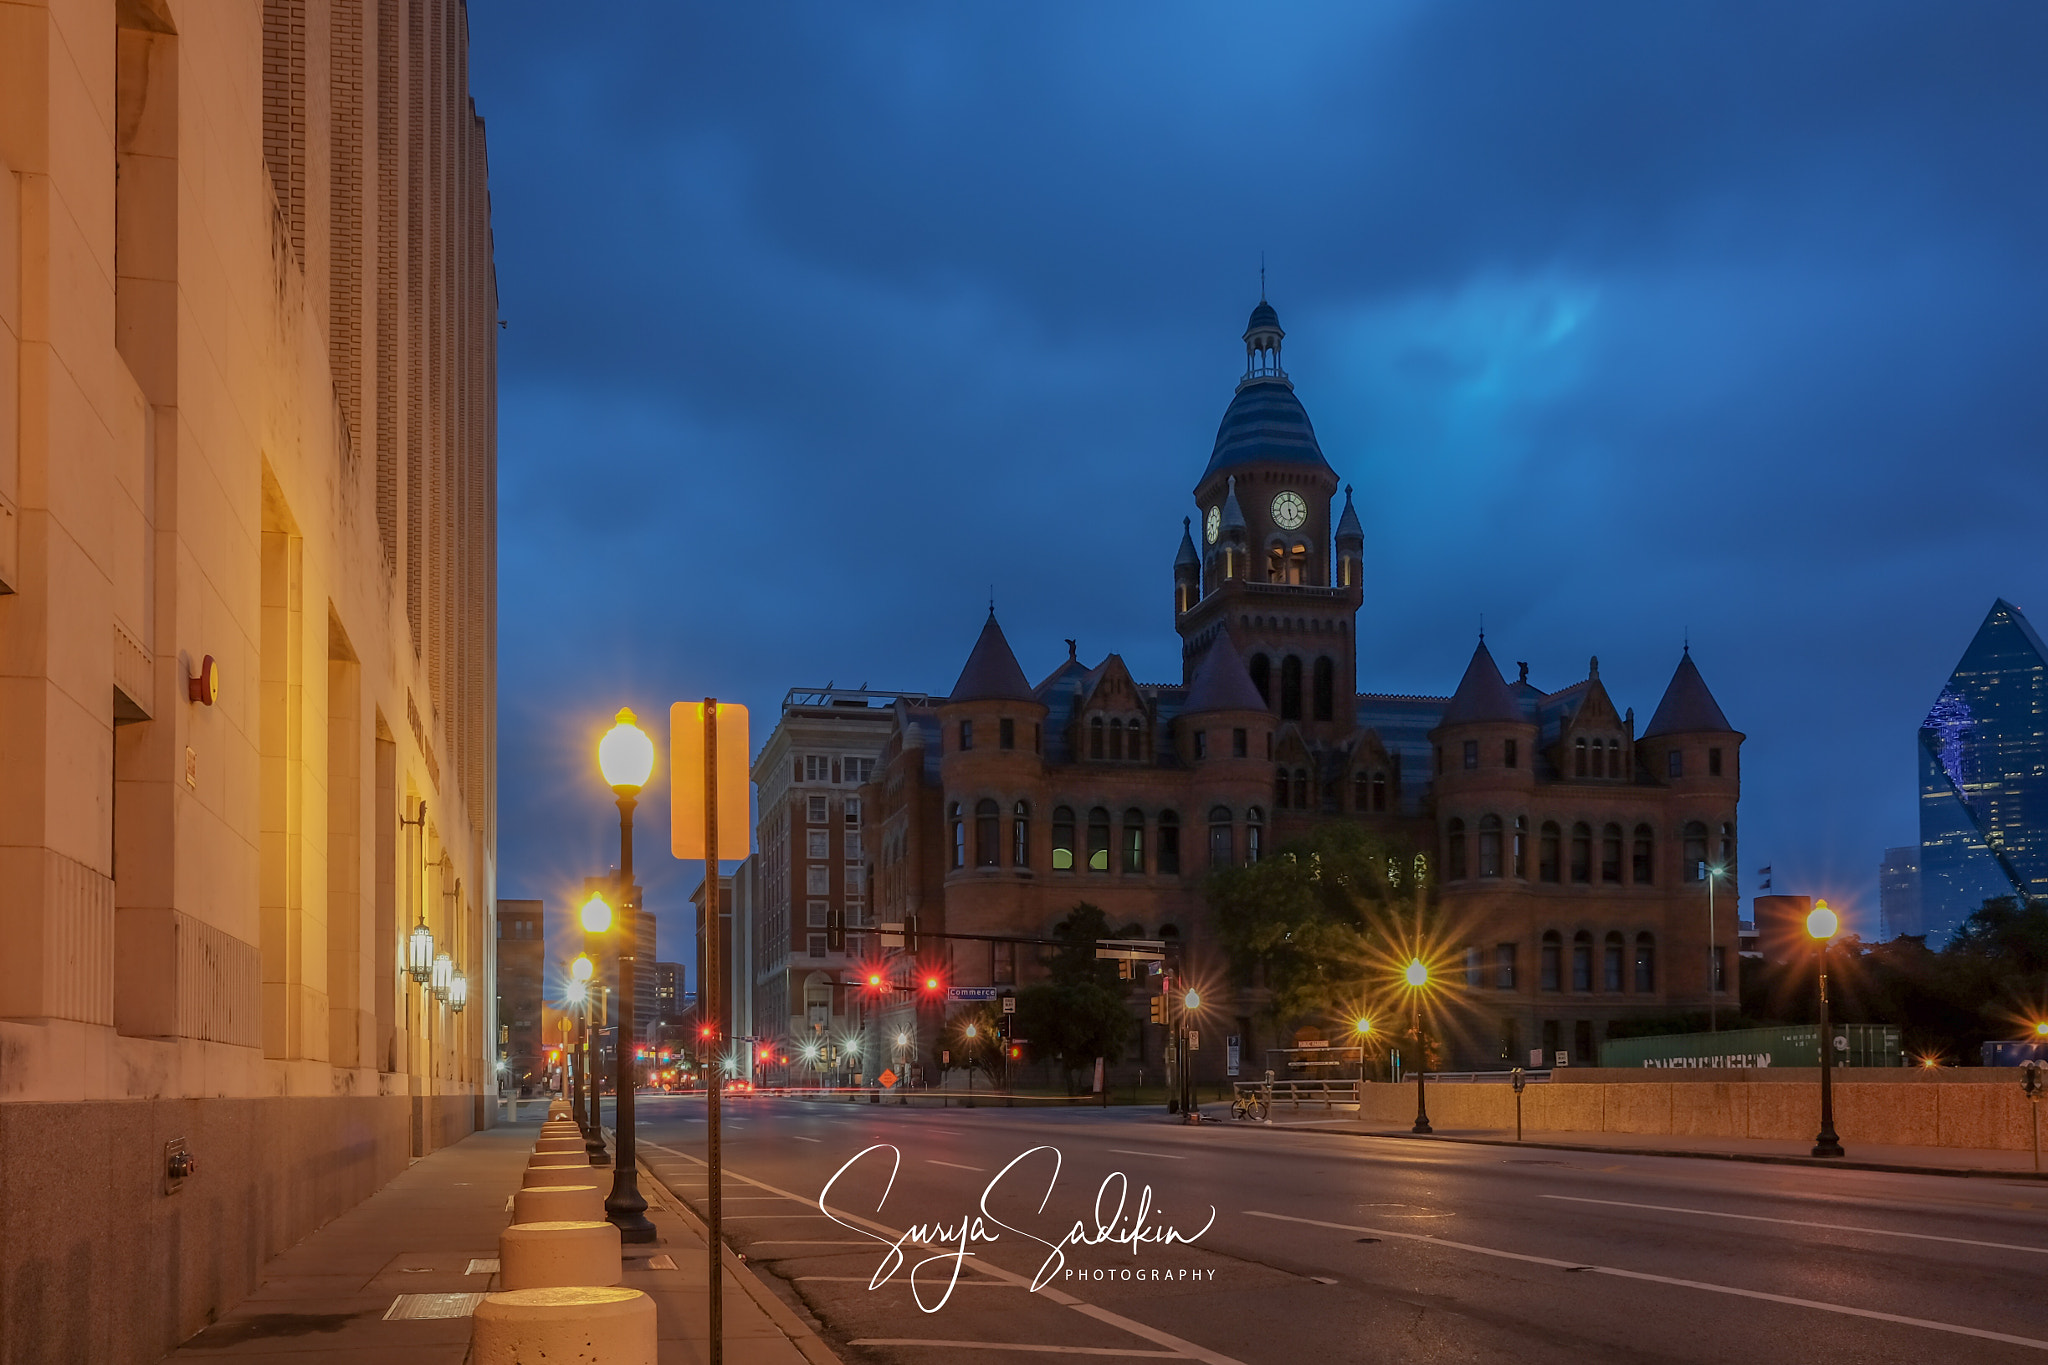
x=1984 y=776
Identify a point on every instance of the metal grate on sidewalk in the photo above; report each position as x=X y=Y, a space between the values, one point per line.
x=413 y=1306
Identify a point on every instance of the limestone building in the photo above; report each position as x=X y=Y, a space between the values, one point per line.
x=247 y=639
x=1573 y=848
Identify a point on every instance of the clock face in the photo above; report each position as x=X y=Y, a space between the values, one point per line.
x=1289 y=511
x=1213 y=524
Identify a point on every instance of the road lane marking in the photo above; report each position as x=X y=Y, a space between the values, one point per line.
x=1982 y=1334
x=801 y=1242
x=956 y=1166
x=1801 y=1223
x=1180 y=1346
x=1163 y=1156
x=1014 y=1346
x=869 y=1279
x=950 y=1132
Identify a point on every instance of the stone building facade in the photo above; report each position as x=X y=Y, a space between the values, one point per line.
x=1573 y=851
x=247 y=638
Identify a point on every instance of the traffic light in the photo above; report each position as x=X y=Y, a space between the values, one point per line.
x=1123 y=969
x=910 y=934
x=1016 y=1052
x=1158 y=1009
x=835 y=931
x=933 y=987
x=875 y=981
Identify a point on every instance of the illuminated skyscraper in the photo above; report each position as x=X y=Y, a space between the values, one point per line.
x=1984 y=776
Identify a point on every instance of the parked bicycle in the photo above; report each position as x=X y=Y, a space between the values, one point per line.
x=1248 y=1105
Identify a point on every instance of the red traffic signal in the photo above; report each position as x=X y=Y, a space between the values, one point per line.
x=1016 y=1053
x=874 y=981
x=931 y=985
x=704 y=1032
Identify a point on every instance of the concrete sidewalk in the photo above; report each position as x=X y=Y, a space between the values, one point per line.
x=395 y=1279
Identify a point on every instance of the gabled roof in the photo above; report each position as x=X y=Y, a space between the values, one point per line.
x=1481 y=694
x=1222 y=682
x=991 y=673
x=1688 y=707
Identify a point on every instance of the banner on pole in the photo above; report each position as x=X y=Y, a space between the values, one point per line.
x=686 y=782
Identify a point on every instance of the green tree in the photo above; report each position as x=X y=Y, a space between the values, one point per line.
x=1079 y=1014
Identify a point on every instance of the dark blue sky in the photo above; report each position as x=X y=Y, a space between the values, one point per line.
x=1625 y=320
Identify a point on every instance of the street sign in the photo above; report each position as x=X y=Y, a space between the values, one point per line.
x=1232 y=1053
x=1194 y=1040
x=1009 y=1004
x=686 y=781
x=1131 y=949
x=892 y=935
x=970 y=992
x=886 y=1079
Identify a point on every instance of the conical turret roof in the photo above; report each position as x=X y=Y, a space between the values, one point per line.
x=991 y=673
x=1222 y=682
x=1233 y=514
x=1481 y=694
x=1347 y=525
x=1187 y=558
x=1688 y=707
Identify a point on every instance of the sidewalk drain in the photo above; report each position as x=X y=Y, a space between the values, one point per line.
x=482 y=1265
x=663 y=1262
x=413 y=1306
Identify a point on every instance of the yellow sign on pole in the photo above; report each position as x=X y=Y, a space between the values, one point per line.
x=686 y=789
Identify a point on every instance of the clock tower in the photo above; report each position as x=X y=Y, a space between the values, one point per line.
x=1268 y=576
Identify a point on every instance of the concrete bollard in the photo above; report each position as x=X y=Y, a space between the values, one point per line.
x=561 y=1130
x=558 y=1109
x=553 y=1255
x=558 y=1144
x=556 y=1175
x=558 y=1159
x=588 y=1326
x=563 y=1203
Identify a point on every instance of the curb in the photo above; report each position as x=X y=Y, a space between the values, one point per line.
x=1756 y=1158
x=800 y=1333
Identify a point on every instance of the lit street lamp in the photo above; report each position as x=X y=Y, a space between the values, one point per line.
x=1363 y=1030
x=626 y=757
x=596 y=917
x=1714 y=872
x=1822 y=924
x=1417 y=976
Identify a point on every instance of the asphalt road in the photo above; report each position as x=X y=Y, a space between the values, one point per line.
x=1327 y=1247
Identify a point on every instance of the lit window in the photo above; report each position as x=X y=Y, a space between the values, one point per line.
x=1254 y=834
x=1134 y=841
x=1063 y=839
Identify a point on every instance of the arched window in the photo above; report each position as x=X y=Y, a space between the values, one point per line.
x=1614 y=759
x=1728 y=851
x=1095 y=737
x=1254 y=834
x=1582 y=961
x=1547 y=852
x=1646 y=963
x=1325 y=689
x=1489 y=846
x=1610 y=855
x=1379 y=791
x=1361 y=791
x=1290 y=688
x=1280 y=789
x=1297 y=563
x=1020 y=834
x=1694 y=853
x=1301 y=801
x=1168 y=857
x=1134 y=841
x=1552 y=962
x=1454 y=850
x=1063 y=839
x=1579 y=757
x=1219 y=836
x=959 y=836
x=988 y=833
x=1262 y=676
x=1098 y=840
x=1582 y=853
x=1599 y=764
x=1610 y=964
x=1521 y=849
x=1134 y=747
x=1116 y=739
x=1645 y=860
x=1276 y=564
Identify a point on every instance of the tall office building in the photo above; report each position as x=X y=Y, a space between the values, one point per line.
x=522 y=957
x=1984 y=776
x=1898 y=894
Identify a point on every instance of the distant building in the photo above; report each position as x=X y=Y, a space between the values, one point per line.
x=725 y=924
x=1781 y=926
x=646 y=1003
x=522 y=959
x=668 y=992
x=1984 y=776
x=1898 y=894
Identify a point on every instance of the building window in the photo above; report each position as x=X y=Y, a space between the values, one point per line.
x=1552 y=965
x=1201 y=744
x=817 y=880
x=1301 y=801
x=1280 y=788
x=815 y=810
x=1713 y=762
x=1169 y=843
x=814 y=945
x=1489 y=846
x=1471 y=754
x=1521 y=851
x=1510 y=753
x=1379 y=791
x=1361 y=799
x=1614 y=759
x=1254 y=835
x=1646 y=964
x=1454 y=850
x=1645 y=850
x=1610 y=963
x=966 y=735
x=1238 y=746
x=1098 y=840
x=1134 y=742
x=1002 y=969
x=1547 y=852
x=1550 y=1039
x=817 y=844
x=1219 y=837
x=859 y=769
x=1036 y=738
x=988 y=833
x=1695 y=851
x=1582 y=854
x=815 y=912
x=1582 y=961
x=853 y=812
x=1610 y=855
x=1134 y=841
x=1262 y=677
x=1006 y=733
x=817 y=767
x=1020 y=834
x=1290 y=688
x=1728 y=850
x=959 y=836
x=1675 y=762
x=1325 y=689
x=1475 y=967
x=1579 y=757
x=1063 y=839
x=1116 y=739
x=1720 y=960
x=1503 y=966
x=1095 y=737
x=1582 y=1042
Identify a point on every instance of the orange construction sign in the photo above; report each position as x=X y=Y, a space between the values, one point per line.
x=887 y=1078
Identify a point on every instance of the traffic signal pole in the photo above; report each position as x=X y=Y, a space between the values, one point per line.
x=707 y=995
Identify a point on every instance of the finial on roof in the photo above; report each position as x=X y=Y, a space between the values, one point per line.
x=991 y=601
x=1262 y=277
x=1523 y=664
x=1072 y=649
x=1482 y=627
x=1593 y=667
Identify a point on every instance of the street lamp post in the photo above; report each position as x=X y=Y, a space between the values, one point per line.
x=1363 y=1030
x=1714 y=871
x=1417 y=976
x=596 y=917
x=1822 y=924
x=626 y=756
x=1190 y=1103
